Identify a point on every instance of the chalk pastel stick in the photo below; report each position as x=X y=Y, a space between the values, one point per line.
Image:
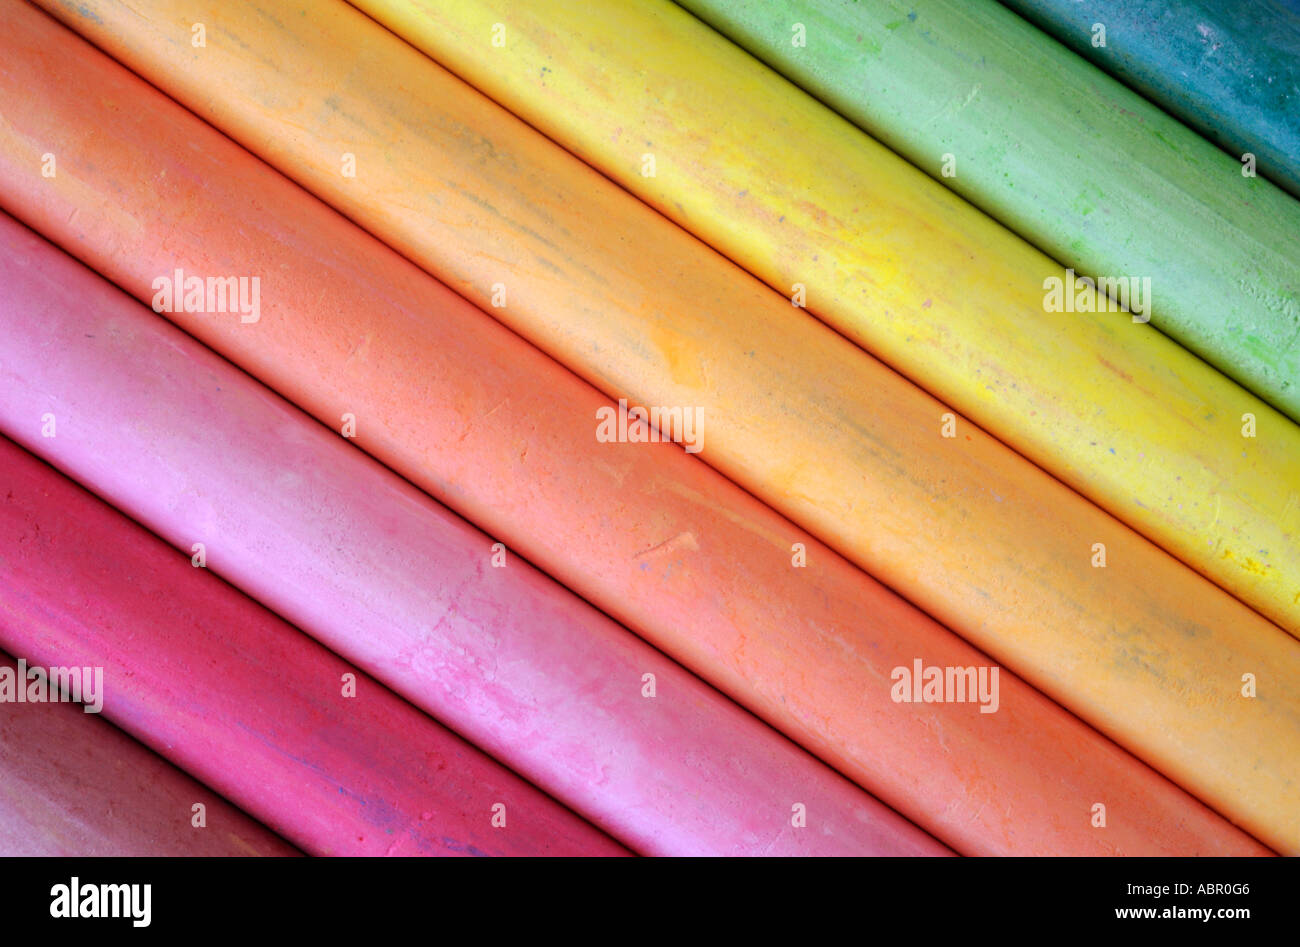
x=1079 y=165
x=818 y=643
x=900 y=265
x=691 y=562
x=73 y=785
x=292 y=513
x=209 y=679
x=1229 y=70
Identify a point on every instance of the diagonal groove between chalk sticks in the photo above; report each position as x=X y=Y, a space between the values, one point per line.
x=349 y=326
x=252 y=707
x=73 y=785
x=310 y=526
x=1193 y=728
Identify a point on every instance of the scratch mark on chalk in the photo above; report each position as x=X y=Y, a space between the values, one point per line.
x=679 y=543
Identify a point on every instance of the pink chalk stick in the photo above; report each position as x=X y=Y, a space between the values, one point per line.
x=298 y=518
x=244 y=702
